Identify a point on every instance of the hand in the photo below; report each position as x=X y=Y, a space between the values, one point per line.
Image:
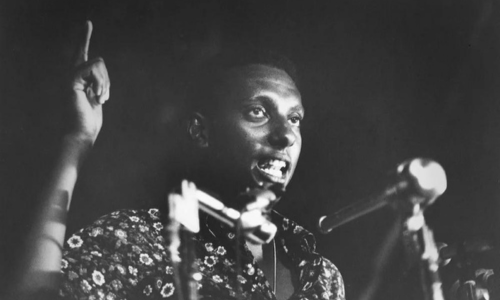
x=90 y=87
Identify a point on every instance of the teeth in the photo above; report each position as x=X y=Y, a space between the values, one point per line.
x=273 y=172
x=273 y=167
x=277 y=163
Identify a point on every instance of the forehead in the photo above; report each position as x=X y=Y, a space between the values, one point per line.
x=243 y=83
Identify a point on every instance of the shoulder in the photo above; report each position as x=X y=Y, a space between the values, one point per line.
x=114 y=253
x=293 y=232
x=122 y=226
x=319 y=275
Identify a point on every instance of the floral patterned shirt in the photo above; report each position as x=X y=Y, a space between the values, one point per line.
x=124 y=255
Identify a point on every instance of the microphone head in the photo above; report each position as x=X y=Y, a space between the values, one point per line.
x=427 y=176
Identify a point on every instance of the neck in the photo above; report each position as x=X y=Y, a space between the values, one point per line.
x=257 y=252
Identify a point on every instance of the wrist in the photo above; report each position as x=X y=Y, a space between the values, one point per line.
x=76 y=147
x=79 y=140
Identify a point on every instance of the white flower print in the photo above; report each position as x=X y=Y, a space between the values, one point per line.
x=145 y=259
x=96 y=253
x=120 y=234
x=134 y=219
x=75 y=241
x=72 y=275
x=85 y=286
x=148 y=290
x=64 y=263
x=154 y=213
x=250 y=270
x=209 y=247
x=242 y=279
x=217 y=278
x=298 y=230
x=116 y=284
x=98 y=278
x=221 y=250
x=167 y=290
x=96 y=231
x=121 y=269
x=227 y=262
x=210 y=261
x=325 y=295
x=110 y=296
x=286 y=223
x=169 y=270
x=260 y=273
x=132 y=270
x=158 y=226
x=136 y=249
x=133 y=281
x=157 y=256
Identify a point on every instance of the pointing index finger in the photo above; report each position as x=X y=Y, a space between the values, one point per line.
x=83 y=48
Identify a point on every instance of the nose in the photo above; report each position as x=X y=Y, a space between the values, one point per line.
x=282 y=135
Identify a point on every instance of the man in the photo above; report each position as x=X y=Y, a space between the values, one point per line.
x=244 y=122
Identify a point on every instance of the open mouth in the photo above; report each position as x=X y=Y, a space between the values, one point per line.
x=273 y=170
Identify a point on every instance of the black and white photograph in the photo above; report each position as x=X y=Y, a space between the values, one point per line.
x=250 y=149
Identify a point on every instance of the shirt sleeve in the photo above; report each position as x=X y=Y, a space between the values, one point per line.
x=332 y=279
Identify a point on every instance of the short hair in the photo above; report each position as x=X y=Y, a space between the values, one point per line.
x=209 y=75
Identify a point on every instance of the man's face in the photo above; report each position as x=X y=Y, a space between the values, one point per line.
x=255 y=136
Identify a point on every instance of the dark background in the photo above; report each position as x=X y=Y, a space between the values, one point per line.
x=382 y=81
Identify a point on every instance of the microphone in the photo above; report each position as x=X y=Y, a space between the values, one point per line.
x=417 y=181
x=262 y=230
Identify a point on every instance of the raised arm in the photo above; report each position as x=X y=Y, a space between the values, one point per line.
x=88 y=87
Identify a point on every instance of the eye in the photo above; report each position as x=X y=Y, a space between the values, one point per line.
x=295 y=120
x=257 y=112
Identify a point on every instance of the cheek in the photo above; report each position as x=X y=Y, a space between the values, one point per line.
x=295 y=150
x=246 y=141
x=237 y=139
x=243 y=134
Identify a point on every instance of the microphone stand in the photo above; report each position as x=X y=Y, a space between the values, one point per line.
x=419 y=241
x=418 y=184
x=183 y=224
x=420 y=247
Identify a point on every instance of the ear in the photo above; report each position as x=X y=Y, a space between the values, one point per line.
x=198 y=130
